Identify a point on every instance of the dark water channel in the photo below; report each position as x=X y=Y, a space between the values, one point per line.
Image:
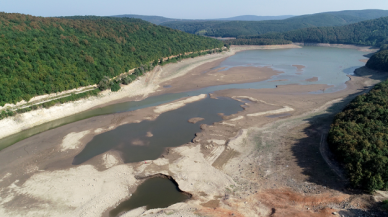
x=153 y=193
x=330 y=65
x=170 y=129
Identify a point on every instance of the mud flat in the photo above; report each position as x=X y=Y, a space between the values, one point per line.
x=299 y=67
x=312 y=79
x=137 y=90
x=195 y=120
x=222 y=168
x=346 y=46
x=246 y=164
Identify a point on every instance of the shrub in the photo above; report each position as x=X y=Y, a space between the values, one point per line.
x=115 y=87
x=384 y=205
x=104 y=83
x=126 y=80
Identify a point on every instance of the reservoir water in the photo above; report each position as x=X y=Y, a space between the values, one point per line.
x=152 y=193
x=148 y=139
x=330 y=65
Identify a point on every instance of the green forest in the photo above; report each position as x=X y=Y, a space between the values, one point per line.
x=379 y=60
x=254 y=28
x=370 y=32
x=47 y=55
x=359 y=139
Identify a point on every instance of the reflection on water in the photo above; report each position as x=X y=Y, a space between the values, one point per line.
x=153 y=193
x=331 y=65
x=170 y=129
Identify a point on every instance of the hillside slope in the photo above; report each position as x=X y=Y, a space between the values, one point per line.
x=379 y=61
x=251 y=28
x=370 y=32
x=358 y=137
x=47 y=55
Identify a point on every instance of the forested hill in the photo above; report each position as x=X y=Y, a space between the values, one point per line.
x=46 y=55
x=379 y=61
x=370 y=32
x=252 y=28
x=359 y=138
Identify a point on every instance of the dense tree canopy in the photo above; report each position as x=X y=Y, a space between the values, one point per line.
x=359 y=138
x=371 y=32
x=379 y=60
x=254 y=28
x=45 y=55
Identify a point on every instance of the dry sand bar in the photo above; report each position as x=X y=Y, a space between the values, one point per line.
x=235 y=162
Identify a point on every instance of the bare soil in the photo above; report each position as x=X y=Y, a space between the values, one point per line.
x=245 y=165
x=299 y=67
x=312 y=79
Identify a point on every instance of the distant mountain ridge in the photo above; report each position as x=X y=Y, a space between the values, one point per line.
x=226 y=28
x=256 y=18
x=160 y=20
x=152 y=19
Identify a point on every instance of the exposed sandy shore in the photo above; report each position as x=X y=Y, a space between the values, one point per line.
x=299 y=68
x=312 y=79
x=249 y=164
x=137 y=90
x=195 y=120
x=200 y=77
x=348 y=46
x=39 y=164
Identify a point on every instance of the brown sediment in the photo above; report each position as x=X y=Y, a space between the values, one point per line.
x=258 y=166
x=195 y=120
x=312 y=79
x=211 y=204
x=286 y=202
x=148 y=85
x=347 y=46
x=364 y=60
x=138 y=142
x=299 y=68
x=196 y=79
x=279 y=80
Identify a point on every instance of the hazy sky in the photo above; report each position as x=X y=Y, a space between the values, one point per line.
x=194 y=9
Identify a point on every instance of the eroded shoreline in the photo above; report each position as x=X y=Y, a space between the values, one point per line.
x=221 y=168
x=139 y=89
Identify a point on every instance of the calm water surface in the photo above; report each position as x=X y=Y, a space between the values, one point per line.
x=330 y=65
x=153 y=193
x=170 y=129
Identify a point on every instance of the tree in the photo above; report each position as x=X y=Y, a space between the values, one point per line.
x=104 y=83
x=115 y=87
x=126 y=80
